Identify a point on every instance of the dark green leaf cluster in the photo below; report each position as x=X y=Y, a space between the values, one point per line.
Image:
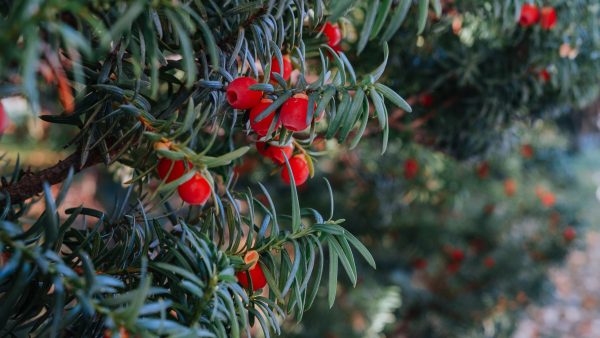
x=156 y=277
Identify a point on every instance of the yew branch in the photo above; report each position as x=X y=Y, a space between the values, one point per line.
x=30 y=184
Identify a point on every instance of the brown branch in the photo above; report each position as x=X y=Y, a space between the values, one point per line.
x=30 y=184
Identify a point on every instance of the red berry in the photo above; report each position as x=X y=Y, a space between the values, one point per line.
x=293 y=113
x=179 y=168
x=569 y=234
x=548 y=20
x=299 y=168
x=420 y=263
x=287 y=67
x=489 y=262
x=333 y=34
x=426 y=100
x=240 y=96
x=548 y=199
x=527 y=151
x=544 y=75
x=196 y=191
x=257 y=276
x=262 y=127
x=274 y=152
x=3 y=119
x=411 y=168
x=457 y=255
x=510 y=187
x=483 y=170
x=530 y=15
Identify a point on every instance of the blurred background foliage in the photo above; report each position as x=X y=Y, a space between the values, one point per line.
x=504 y=137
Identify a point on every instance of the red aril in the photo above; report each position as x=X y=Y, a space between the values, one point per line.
x=287 y=67
x=3 y=119
x=569 y=234
x=530 y=15
x=426 y=100
x=411 y=168
x=510 y=187
x=457 y=255
x=293 y=113
x=333 y=34
x=299 y=168
x=257 y=276
x=196 y=191
x=240 y=96
x=548 y=18
x=179 y=167
x=262 y=127
x=275 y=152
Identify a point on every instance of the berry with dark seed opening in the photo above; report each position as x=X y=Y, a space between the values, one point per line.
x=240 y=96
x=257 y=276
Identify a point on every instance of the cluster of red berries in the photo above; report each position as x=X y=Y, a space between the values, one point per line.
x=278 y=154
x=292 y=115
x=531 y=14
x=257 y=276
x=195 y=191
